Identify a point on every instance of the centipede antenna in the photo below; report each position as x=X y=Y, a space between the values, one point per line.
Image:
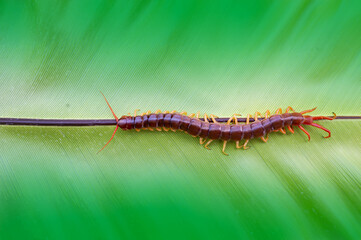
x=308 y=111
x=116 y=128
x=323 y=128
x=116 y=118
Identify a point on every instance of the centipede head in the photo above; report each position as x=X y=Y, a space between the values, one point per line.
x=116 y=118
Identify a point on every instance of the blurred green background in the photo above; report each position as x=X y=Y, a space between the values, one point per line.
x=219 y=57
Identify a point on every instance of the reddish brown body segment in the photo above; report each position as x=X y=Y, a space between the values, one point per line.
x=213 y=131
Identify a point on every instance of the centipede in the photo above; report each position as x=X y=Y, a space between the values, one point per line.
x=209 y=130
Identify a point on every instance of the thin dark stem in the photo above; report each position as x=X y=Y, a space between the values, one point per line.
x=100 y=122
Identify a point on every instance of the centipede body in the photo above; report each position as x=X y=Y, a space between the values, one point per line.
x=210 y=131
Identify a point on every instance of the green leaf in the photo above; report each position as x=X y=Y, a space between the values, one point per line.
x=213 y=57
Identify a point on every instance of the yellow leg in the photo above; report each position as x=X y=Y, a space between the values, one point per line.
x=183 y=113
x=158 y=111
x=230 y=120
x=198 y=113
x=248 y=117
x=174 y=111
x=158 y=129
x=164 y=128
x=267 y=114
x=135 y=112
x=148 y=112
x=201 y=139
x=289 y=109
x=264 y=139
x=206 y=117
x=234 y=117
x=279 y=111
x=206 y=146
x=224 y=148
x=191 y=115
x=256 y=115
x=245 y=144
x=213 y=118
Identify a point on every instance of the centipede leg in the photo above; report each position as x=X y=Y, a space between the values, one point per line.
x=230 y=120
x=266 y=116
x=234 y=117
x=248 y=117
x=164 y=128
x=213 y=118
x=224 y=148
x=206 y=146
x=323 y=128
x=135 y=114
x=158 y=128
x=201 y=139
x=289 y=108
x=191 y=115
x=167 y=129
x=308 y=111
x=237 y=145
x=279 y=111
x=183 y=113
x=245 y=144
x=304 y=130
x=326 y=118
x=291 y=129
x=256 y=116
